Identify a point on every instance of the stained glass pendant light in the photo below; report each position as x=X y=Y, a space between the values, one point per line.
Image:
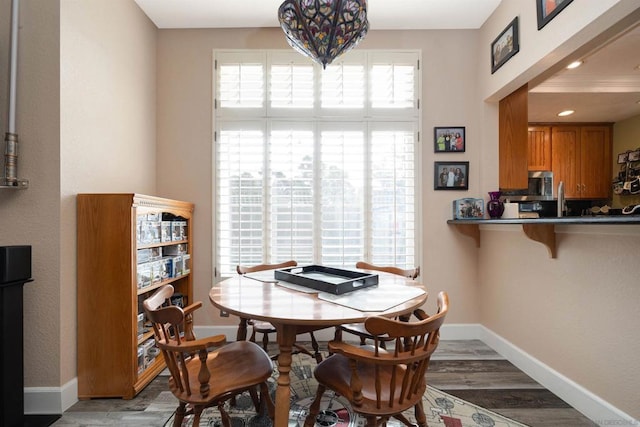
x=323 y=29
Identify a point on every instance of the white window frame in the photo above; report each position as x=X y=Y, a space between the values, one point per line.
x=368 y=118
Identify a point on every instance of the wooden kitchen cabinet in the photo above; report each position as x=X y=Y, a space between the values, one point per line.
x=539 y=148
x=512 y=140
x=565 y=156
x=581 y=158
x=128 y=246
x=595 y=161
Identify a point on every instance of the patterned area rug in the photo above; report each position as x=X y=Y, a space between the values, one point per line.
x=440 y=408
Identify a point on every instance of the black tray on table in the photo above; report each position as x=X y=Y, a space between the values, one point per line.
x=327 y=279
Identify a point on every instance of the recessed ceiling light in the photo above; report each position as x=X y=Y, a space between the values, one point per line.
x=574 y=64
x=566 y=113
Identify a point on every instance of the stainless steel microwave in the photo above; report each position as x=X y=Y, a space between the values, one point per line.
x=540 y=185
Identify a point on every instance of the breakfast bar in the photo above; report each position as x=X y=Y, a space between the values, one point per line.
x=540 y=229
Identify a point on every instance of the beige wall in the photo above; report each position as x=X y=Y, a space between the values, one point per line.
x=89 y=87
x=86 y=122
x=541 y=52
x=510 y=283
x=32 y=216
x=626 y=137
x=576 y=314
x=107 y=123
x=185 y=140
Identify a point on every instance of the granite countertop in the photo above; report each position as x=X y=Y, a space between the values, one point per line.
x=598 y=219
x=540 y=229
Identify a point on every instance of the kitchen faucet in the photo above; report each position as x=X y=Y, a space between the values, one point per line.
x=561 y=202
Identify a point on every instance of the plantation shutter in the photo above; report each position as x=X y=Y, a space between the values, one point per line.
x=240 y=220
x=315 y=165
x=291 y=85
x=291 y=187
x=393 y=194
x=343 y=189
x=394 y=84
x=343 y=86
x=240 y=86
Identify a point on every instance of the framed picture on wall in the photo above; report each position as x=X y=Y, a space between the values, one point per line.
x=623 y=157
x=451 y=175
x=505 y=45
x=449 y=139
x=548 y=9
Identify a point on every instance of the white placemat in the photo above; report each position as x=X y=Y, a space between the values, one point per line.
x=267 y=276
x=298 y=288
x=374 y=298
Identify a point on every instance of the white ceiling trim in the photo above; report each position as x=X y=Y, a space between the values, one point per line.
x=590 y=85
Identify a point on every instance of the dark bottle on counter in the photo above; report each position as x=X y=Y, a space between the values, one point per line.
x=495 y=206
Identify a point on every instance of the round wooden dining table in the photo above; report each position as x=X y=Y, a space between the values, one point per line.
x=293 y=312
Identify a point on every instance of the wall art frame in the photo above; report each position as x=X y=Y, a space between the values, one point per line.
x=623 y=158
x=505 y=45
x=548 y=9
x=450 y=139
x=450 y=175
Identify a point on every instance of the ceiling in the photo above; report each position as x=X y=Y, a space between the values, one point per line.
x=606 y=88
x=383 y=14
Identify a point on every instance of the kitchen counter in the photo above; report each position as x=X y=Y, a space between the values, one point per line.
x=541 y=229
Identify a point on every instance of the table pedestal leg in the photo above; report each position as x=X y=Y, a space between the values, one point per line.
x=286 y=339
x=242 y=330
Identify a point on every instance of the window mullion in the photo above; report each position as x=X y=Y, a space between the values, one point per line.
x=368 y=220
x=317 y=200
x=394 y=200
x=266 y=196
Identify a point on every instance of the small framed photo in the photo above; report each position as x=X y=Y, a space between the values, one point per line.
x=548 y=9
x=623 y=157
x=449 y=139
x=451 y=175
x=505 y=45
x=468 y=209
x=634 y=156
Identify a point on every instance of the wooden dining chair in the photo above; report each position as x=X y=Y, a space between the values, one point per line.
x=409 y=273
x=208 y=371
x=381 y=383
x=358 y=329
x=266 y=328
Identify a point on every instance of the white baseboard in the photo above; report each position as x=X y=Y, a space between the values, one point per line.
x=56 y=400
x=50 y=400
x=590 y=405
x=458 y=331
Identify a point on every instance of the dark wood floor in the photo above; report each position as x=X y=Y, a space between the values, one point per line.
x=473 y=372
x=466 y=369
